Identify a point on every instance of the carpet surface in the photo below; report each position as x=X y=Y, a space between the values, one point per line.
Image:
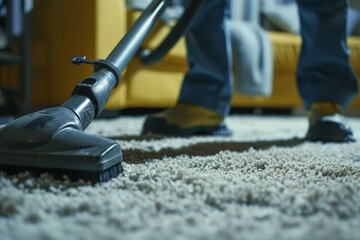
x=264 y=182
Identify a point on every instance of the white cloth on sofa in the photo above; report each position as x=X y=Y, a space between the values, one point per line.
x=252 y=50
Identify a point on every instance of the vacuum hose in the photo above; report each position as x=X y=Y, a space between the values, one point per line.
x=148 y=57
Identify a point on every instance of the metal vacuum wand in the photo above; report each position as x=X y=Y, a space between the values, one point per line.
x=90 y=96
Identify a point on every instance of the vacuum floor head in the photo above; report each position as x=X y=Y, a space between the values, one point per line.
x=52 y=141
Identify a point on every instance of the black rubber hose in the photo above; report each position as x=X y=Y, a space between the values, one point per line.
x=136 y=35
x=148 y=57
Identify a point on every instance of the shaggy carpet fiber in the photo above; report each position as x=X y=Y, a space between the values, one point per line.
x=264 y=182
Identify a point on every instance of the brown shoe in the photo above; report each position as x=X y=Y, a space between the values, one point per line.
x=186 y=120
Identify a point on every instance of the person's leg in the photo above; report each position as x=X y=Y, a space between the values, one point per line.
x=326 y=80
x=324 y=72
x=206 y=92
x=208 y=83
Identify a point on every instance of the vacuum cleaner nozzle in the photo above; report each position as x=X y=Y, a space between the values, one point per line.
x=52 y=141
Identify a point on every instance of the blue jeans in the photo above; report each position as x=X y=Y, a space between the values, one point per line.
x=323 y=74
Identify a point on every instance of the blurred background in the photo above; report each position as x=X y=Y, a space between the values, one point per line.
x=38 y=39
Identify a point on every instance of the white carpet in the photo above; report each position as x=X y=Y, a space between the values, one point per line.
x=279 y=188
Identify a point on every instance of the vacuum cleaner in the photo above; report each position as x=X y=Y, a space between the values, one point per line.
x=53 y=140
